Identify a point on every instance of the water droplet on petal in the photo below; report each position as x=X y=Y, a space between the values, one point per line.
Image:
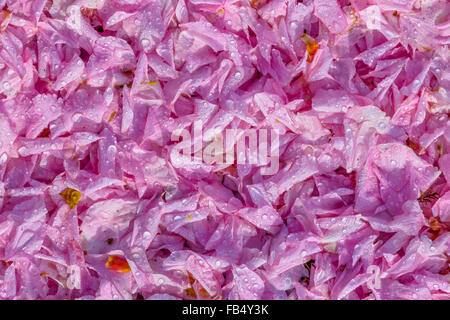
x=76 y=117
x=3 y=158
x=147 y=235
x=112 y=149
x=23 y=151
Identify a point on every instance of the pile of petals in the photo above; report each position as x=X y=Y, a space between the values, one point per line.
x=94 y=206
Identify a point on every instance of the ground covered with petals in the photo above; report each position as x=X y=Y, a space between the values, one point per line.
x=94 y=206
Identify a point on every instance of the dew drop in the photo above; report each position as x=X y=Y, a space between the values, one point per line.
x=112 y=149
x=147 y=235
x=76 y=117
x=288 y=282
x=23 y=151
